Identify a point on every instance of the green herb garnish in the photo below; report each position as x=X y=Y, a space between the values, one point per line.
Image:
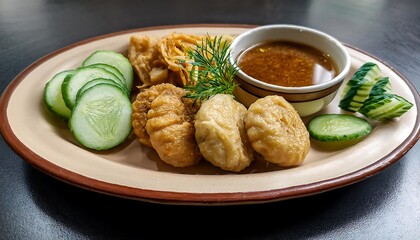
x=211 y=73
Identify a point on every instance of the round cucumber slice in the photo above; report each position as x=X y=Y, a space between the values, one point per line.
x=53 y=97
x=101 y=119
x=114 y=59
x=93 y=82
x=72 y=83
x=338 y=128
x=113 y=70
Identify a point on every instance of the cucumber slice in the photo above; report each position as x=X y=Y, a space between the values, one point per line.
x=53 y=97
x=101 y=118
x=382 y=86
x=358 y=88
x=93 y=82
x=115 y=59
x=112 y=69
x=385 y=106
x=72 y=83
x=338 y=128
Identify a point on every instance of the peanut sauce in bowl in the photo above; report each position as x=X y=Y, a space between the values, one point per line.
x=288 y=64
x=304 y=65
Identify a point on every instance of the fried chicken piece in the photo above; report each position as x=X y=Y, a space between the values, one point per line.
x=171 y=128
x=220 y=133
x=276 y=131
x=140 y=108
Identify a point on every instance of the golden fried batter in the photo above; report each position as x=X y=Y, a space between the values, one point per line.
x=146 y=60
x=276 y=131
x=140 y=108
x=162 y=119
x=220 y=133
x=161 y=60
x=164 y=60
x=174 y=48
x=171 y=129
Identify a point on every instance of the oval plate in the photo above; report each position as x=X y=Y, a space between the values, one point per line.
x=135 y=172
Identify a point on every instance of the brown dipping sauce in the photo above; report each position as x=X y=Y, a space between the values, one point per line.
x=288 y=64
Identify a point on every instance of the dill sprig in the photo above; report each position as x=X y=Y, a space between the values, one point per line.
x=211 y=72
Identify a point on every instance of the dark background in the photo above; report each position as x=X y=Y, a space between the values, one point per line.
x=36 y=206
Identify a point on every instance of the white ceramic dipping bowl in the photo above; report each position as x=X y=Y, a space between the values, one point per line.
x=307 y=100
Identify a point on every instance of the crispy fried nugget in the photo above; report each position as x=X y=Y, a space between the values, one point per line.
x=277 y=132
x=171 y=128
x=220 y=133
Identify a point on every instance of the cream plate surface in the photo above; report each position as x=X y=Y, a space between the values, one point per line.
x=133 y=171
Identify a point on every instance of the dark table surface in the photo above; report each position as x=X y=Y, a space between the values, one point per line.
x=34 y=205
